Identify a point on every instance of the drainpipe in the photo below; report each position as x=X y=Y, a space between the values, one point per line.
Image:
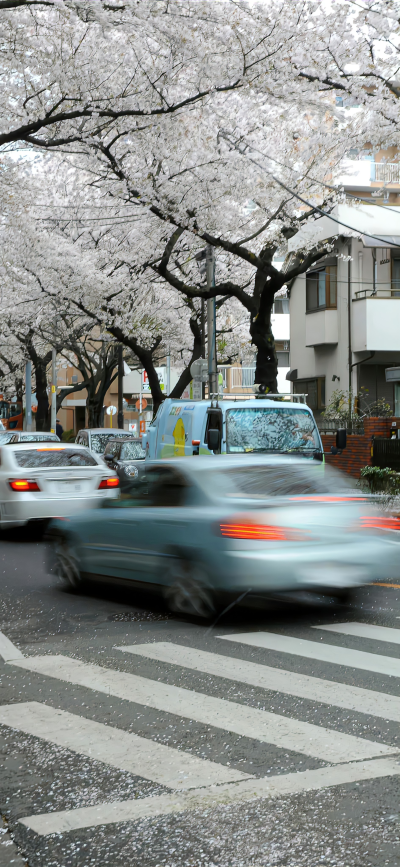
x=350 y=353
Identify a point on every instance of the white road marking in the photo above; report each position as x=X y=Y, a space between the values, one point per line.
x=314 y=650
x=120 y=749
x=161 y=805
x=286 y=733
x=355 y=698
x=364 y=630
x=8 y=650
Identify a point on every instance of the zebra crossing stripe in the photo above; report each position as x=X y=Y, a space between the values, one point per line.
x=387 y=665
x=364 y=630
x=282 y=731
x=8 y=650
x=115 y=747
x=162 y=805
x=287 y=682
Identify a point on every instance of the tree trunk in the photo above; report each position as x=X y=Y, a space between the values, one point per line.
x=42 y=414
x=267 y=361
x=95 y=412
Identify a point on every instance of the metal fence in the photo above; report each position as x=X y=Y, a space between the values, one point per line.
x=330 y=426
x=386 y=453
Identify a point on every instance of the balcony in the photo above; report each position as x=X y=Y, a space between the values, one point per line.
x=321 y=328
x=375 y=321
x=363 y=171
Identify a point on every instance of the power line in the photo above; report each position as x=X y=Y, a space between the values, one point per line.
x=237 y=147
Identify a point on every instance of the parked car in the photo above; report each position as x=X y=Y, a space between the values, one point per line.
x=39 y=481
x=126 y=456
x=23 y=436
x=204 y=531
x=96 y=438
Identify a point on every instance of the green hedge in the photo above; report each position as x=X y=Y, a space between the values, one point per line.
x=380 y=480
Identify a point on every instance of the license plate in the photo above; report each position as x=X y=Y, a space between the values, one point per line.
x=334 y=574
x=69 y=487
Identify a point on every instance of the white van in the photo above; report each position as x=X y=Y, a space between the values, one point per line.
x=257 y=425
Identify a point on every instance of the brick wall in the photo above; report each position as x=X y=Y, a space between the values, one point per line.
x=357 y=453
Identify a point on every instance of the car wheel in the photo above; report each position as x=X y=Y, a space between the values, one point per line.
x=188 y=590
x=66 y=564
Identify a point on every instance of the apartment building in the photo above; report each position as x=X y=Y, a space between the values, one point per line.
x=345 y=312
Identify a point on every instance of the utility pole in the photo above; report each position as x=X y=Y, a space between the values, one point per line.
x=53 y=415
x=28 y=396
x=120 y=417
x=211 y=325
x=168 y=373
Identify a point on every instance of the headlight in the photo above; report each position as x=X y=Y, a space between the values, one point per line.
x=131 y=471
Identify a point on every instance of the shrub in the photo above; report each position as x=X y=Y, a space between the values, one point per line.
x=68 y=436
x=380 y=480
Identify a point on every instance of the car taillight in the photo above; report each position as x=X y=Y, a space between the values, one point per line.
x=23 y=485
x=237 y=529
x=376 y=522
x=112 y=482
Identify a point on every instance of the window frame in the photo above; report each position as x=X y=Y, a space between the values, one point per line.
x=330 y=288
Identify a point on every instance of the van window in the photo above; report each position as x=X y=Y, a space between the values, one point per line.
x=270 y=430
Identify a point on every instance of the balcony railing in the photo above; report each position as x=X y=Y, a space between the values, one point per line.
x=389 y=173
x=389 y=292
x=242 y=377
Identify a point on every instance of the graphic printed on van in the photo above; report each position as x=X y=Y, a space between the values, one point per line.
x=177 y=437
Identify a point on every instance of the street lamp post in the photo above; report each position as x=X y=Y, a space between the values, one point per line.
x=206 y=261
x=120 y=420
x=28 y=396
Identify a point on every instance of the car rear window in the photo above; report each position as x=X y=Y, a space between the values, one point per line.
x=132 y=452
x=285 y=480
x=39 y=438
x=43 y=457
x=99 y=441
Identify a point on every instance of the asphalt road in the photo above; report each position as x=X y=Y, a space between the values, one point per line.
x=188 y=748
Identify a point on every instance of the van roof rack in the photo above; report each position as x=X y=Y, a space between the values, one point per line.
x=284 y=396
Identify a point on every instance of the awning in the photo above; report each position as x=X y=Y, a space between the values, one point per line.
x=392 y=241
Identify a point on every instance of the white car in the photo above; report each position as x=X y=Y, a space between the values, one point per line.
x=46 y=480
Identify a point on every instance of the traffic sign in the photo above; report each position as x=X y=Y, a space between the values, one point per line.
x=111 y=410
x=144 y=403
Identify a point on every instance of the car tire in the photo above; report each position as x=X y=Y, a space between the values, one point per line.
x=188 y=591
x=66 y=564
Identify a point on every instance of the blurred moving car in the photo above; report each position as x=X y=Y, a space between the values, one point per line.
x=96 y=438
x=203 y=531
x=126 y=457
x=22 y=436
x=39 y=481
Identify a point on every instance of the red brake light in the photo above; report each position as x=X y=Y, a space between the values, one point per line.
x=237 y=529
x=376 y=522
x=112 y=482
x=23 y=485
x=195 y=442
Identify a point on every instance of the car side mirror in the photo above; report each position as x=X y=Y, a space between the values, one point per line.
x=108 y=457
x=341 y=438
x=213 y=439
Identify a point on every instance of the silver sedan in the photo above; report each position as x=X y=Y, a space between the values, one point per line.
x=200 y=529
x=44 y=480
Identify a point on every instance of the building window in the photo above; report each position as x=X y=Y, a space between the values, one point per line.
x=281 y=305
x=315 y=391
x=396 y=276
x=282 y=348
x=321 y=288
